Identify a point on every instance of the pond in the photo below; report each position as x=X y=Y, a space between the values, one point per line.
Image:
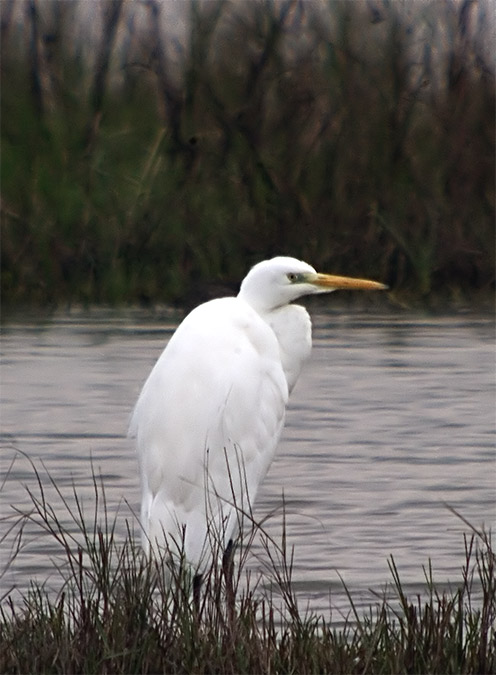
x=391 y=422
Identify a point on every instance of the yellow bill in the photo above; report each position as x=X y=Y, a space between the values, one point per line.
x=331 y=281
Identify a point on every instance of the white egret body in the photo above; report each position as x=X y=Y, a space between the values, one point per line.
x=210 y=414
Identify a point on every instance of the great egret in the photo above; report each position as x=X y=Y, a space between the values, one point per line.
x=210 y=414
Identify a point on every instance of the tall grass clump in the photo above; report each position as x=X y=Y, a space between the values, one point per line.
x=113 y=612
x=140 y=161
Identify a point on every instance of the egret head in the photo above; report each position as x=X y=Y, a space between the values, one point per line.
x=277 y=282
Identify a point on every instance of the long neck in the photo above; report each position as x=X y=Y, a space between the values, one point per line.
x=293 y=329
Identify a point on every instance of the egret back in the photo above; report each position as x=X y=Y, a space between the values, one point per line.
x=207 y=424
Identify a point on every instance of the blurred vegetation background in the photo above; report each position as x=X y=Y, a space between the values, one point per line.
x=150 y=148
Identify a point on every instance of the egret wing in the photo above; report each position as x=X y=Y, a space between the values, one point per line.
x=207 y=425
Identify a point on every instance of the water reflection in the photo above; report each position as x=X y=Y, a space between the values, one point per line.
x=392 y=417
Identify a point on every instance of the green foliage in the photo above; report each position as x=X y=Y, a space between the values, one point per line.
x=116 y=613
x=358 y=136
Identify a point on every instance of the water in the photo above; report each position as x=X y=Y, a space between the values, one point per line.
x=392 y=418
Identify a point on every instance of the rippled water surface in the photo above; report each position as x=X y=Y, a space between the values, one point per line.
x=392 y=419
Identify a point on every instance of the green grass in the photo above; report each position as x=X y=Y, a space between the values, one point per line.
x=351 y=134
x=114 y=613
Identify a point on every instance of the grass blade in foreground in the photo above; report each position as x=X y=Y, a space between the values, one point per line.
x=114 y=614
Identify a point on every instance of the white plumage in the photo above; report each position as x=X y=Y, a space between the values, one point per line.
x=210 y=414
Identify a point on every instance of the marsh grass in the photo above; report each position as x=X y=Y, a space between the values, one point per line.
x=137 y=167
x=114 y=613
